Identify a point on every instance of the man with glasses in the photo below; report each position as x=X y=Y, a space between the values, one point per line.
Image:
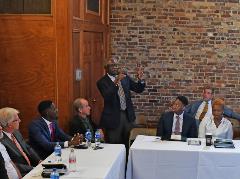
x=24 y=157
x=44 y=132
x=118 y=112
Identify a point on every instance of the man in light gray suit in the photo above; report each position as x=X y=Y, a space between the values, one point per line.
x=203 y=108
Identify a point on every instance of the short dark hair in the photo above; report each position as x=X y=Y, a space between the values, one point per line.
x=43 y=105
x=183 y=99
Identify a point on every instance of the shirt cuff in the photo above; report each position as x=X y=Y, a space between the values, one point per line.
x=65 y=144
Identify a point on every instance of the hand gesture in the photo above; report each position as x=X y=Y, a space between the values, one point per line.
x=119 y=77
x=139 y=72
x=76 y=140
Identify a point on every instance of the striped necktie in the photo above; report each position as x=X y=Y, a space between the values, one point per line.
x=177 y=126
x=121 y=97
x=20 y=149
x=204 y=112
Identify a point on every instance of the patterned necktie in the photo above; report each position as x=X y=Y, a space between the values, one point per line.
x=20 y=149
x=52 y=131
x=204 y=112
x=177 y=126
x=121 y=97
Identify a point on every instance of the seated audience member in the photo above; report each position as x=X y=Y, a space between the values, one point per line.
x=24 y=157
x=216 y=124
x=7 y=167
x=177 y=122
x=44 y=132
x=203 y=108
x=80 y=122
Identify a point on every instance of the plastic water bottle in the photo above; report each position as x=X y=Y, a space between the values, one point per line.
x=97 y=138
x=88 y=137
x=72 y=161
x=54 y=174
x=58 y=152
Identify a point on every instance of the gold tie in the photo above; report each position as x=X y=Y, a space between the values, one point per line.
x=20 y=149
x=204 y=112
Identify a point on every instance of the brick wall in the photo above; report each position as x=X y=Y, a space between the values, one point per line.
x=183 y=45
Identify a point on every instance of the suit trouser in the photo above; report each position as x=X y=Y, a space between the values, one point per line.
x=120 y=135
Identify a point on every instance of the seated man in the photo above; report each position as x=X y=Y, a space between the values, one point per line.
x=203 y=108
x=44 y=132
x=24 y=157
x=217 y=125
x=177 y=122
x=80 y=122
x=7 y=168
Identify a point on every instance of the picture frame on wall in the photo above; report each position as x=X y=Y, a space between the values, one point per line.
x=93 y=7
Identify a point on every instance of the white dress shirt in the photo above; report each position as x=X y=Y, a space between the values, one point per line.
x=200 y=109
x=48 y=124
x=175 y=120
x=11 y=171
x=223 y=131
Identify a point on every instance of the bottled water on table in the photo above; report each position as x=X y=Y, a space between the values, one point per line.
x=72 y=161
x=97 y=138
x=88 y=137
x=58 y=152
x=54 y=174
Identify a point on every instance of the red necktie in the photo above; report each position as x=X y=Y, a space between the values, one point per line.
x=20 y=149
x=177 y=126
x=51 y=131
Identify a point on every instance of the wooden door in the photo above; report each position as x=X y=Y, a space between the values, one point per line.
x=92 y=70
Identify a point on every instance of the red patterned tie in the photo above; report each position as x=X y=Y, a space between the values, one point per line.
x=20 y=149
x=177 y=126
x=52 y=131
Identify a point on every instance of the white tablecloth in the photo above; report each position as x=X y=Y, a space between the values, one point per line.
x=106 y=163
x=154 y=159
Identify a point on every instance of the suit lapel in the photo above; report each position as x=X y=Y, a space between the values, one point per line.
x=46 y=129
x=19 y=138
x=10 y=145
x=184 y=126
x=170 y=123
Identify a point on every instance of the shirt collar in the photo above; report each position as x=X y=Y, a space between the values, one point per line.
x=181 y=115
x=8 y=134
x=111 y=77
x=47 y=122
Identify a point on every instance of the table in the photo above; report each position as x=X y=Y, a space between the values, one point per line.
x=151 y=158
x=106 y=163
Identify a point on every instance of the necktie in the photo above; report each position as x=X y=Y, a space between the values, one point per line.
x=204 y=112
x=177 y=126
x=20 y=149
x=121 y=97
x=52 y=131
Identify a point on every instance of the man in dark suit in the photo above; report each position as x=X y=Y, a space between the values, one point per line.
x=44 y=132
x=118 y=113
x=203 y=108
x=3 y=172
x=80 y=122
x=177 y=122
x=24 y=157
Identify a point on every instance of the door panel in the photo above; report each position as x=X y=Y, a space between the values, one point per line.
x=92 y=66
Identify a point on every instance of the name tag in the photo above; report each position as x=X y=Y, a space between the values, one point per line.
x=176 y=137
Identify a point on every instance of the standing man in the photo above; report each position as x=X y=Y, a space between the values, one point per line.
x=177 y=122
x=118 y=113
x=24 y=157
x=203 y=108
x=44 y=132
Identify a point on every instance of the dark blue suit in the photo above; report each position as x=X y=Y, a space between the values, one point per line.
x=164 y=128
x=192 y=110
x=40 y=138
x=111 y=113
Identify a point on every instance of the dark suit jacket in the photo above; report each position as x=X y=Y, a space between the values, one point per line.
x=164 y=129
x=3 y=172
x=16 y=155
x=110 y=117
x=40 y=138
x=192 y=110
x=77 y=126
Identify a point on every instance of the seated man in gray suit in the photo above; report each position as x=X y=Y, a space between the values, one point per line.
x=203 y=108
x=177 y=122
x=24 y=157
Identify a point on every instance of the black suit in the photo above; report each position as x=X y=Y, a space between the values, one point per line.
x=77 y=125
x=164 y=129
x=3 y=172
x=16 y=155
x=117 y=123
